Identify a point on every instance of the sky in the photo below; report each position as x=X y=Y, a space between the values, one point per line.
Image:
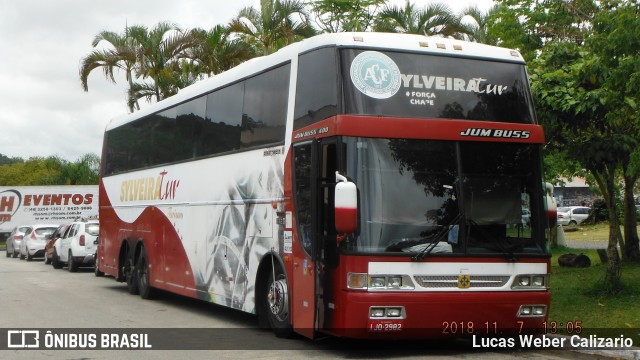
x=43 y=109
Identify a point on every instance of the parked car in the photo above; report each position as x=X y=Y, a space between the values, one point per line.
x=76 y=248
x=573 y=215
x=34 y=240
x=15 y=239
x=51 y=240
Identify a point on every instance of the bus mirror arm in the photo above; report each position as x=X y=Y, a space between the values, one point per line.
x=346 y=207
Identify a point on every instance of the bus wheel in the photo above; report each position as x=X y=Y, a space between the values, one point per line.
x=130 y=276
x=277 y=303
x=142 y=272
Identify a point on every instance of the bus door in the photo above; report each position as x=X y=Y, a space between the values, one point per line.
x=315 y=164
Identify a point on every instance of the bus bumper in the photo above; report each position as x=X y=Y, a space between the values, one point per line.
x=436 y=315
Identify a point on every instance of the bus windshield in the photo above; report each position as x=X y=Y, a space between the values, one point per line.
x=411 y=85
x=419 y=193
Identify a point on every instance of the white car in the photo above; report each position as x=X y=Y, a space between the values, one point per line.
x=15 y=239
x=34 y=240
x=572 y=215
x=77 y=246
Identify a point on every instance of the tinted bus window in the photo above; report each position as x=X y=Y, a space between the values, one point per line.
x=189 y=122
x=317 y=87
x=128 y=146
x=265 y=108
x=221 y=130
x=427 y=86
x=164 y=138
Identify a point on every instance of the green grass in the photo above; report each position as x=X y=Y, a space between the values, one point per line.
x=576 y=296
x=598 y=231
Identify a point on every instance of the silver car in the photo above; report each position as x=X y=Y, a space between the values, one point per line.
x=15 y=239
x=572 y=215
x=34 y=240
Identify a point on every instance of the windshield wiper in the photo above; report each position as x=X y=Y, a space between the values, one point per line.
x=432 y=243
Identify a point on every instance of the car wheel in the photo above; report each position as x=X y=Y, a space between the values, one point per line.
x=8 y=254
x=15 y=253
x=573 y=223
x=96 y=267
x=73 y=266
x=276 y=303
x=142 y=271
x=29 y=257
x=21 y=256
x=55 y=260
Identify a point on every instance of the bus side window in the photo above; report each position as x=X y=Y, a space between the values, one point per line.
x=317 y=87
x=264 y=112
x=221 y=129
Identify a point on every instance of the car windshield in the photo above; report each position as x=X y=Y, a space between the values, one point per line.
x=41 y=232
x=418 y=193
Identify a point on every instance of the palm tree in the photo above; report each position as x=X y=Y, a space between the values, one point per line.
x=273 y=26
x=216 y=52
x=477 y=29
x=158 y=57
x=434 y=20
x=120 y=53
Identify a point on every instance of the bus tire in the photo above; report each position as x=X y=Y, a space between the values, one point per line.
x=276 y=303
x=130 y=276
x=142 y=272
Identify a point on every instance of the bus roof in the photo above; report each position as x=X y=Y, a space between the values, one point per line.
x=381 y=41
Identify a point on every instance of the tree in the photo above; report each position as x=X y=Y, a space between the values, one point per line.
x=477 y=26
x=434 y=19
x=276 y=24
x=120 y=53
x=527 y=25
x=5 y=160
x=216 y=52
x=158 y=57
x=52 y=170
x=616 y=68
x=334 y=16
x=590 y=94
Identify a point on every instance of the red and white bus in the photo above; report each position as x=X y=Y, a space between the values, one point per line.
x=357 y=184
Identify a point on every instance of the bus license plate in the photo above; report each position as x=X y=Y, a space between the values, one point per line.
x=384 y=325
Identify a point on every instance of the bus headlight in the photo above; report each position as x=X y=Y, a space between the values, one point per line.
x=394 y=312
x=387 y=312
x=377 y=282
x=364 y=281
x=532 y=311
x=394 y=282
x=531 y=282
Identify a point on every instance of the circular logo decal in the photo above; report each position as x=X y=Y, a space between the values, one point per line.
x=375 y=75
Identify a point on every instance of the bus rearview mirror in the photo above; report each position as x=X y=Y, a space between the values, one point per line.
x=346 y=205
